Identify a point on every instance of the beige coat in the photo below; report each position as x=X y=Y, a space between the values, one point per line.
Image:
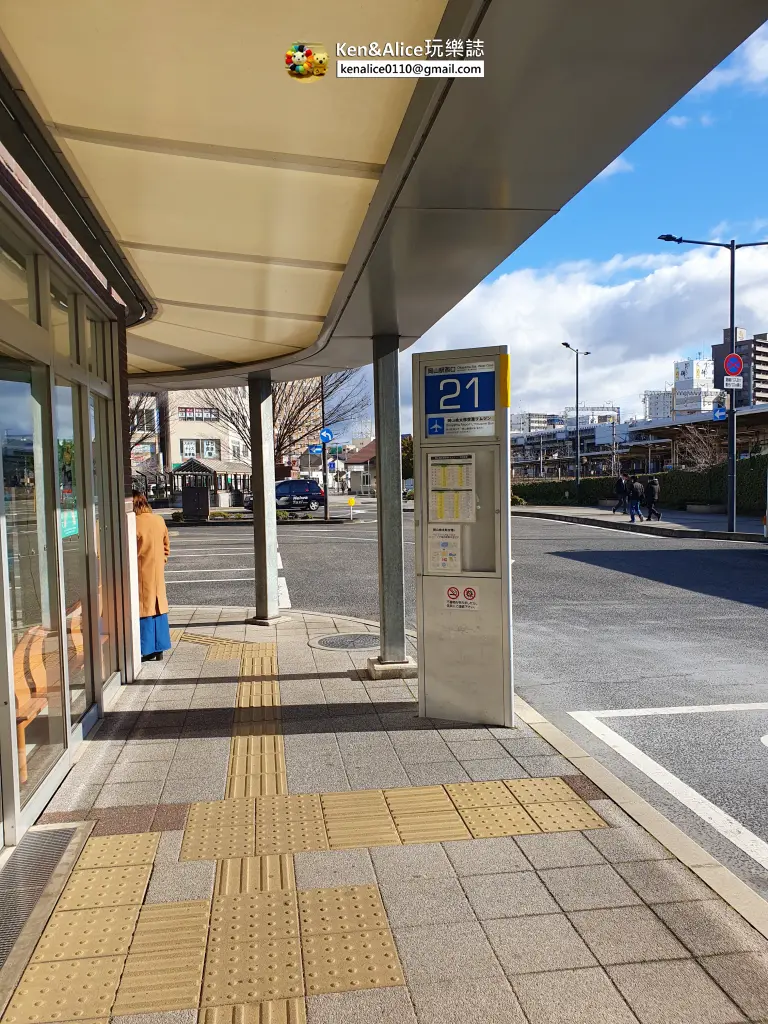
x=154 y=548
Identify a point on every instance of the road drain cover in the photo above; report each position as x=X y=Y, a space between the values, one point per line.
x=349 y=642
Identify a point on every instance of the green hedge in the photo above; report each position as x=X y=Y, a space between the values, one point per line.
x=679 y=487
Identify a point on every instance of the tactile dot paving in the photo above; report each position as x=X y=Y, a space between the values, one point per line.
x=432 y=827
x=246 y=974
x=565 y=816
x=301 y=807
x=171 y=926
x=343 y=909
x=105 y=887
x=157 y=982
x=72 y=934
x=490 y=822
x=290 y=837
x=538 y=791
x=480 y=794
x=113 y=851
x=255 y=918
x=221 y=812
x=417 y=798
x=240 y=875
x=352 y=960
x=65 y=990
x=257 y=785
x=273 y=1011
x=217 y=843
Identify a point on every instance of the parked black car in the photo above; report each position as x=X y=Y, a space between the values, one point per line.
x=295 y=494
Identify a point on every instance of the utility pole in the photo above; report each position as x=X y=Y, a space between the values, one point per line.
x=577 y=352
x=613 y=447
x=541 y=455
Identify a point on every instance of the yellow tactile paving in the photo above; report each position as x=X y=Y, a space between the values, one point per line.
x=269 y=763
x=359 y=818
x=267 y=784
x=221 y=812
x=255 y=917
x=257 y=744
x=171 y=926
x=342 y=909
x=74 y=934
x=114 y=851
x=176 y=634
x=230 y=651
x=273 y=1011
x=436 y=827
x=105 y=887
x=299 y=807
x=417 y=799
x=350 y=960
x=537 y=791
x=491 y=822
x=246 y=974
x=220 y=842
x=65 y=990
x=158 y=982
x=565 y=816
x=480 y=794
x=289 y=837
x=241 y=875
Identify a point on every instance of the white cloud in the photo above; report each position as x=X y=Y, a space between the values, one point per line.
x=674 y=304
x=678 y=121
x=747 y=67
x=618 y=166
x=707 y=120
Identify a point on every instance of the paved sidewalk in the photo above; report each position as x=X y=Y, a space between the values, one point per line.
x=673 y=524
x=276 y=840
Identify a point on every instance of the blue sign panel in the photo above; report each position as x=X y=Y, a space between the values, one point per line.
x=331 y=467
x=315 y=449
x=326 y=435
x=719 y=413
x=460 y=399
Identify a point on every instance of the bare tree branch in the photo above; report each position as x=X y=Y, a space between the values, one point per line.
x=296 y=408
x=142 y=419
x=701 y=447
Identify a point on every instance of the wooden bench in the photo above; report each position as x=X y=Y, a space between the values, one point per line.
x=30 y=680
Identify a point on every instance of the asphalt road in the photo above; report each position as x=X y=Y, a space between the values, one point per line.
x=604 y=622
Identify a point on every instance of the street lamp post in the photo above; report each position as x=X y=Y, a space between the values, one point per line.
x=731 y=246
x=577 y=353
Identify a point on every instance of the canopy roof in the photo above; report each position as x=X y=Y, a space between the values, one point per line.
x=278 y=224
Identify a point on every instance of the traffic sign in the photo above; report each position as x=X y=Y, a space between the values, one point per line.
x=460 y=399
x=719 y=413
x=315 y=449
x=350 y=502
x=733 y=364
x=326 y=435
x=733 y=383
x=331 y=467
x=436 y=425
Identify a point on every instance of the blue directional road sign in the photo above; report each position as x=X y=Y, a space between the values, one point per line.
x=326 y=435
x=436 y=425
x=719 y=413
x=331 y=467
x=315 y=449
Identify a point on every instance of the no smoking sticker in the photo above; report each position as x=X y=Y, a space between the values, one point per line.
x=466 y=600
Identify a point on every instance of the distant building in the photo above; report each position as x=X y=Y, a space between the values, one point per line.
x=528 y=422
x=658 y=404
x=754 y=353
x=694 y=374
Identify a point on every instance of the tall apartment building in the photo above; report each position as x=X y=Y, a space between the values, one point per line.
x=658 y=404
x=754 y=353
x=528 y=422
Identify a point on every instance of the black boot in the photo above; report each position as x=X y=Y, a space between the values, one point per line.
x=158 y=656
x=148 y=657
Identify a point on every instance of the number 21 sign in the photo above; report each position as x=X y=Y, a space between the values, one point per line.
x=460 y=400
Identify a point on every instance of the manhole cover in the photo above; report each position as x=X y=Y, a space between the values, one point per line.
x=349 y=641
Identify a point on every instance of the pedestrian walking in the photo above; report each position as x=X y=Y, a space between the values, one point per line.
x=652 y=492
x=153 y=549
x=636 y=496
x=621 y=490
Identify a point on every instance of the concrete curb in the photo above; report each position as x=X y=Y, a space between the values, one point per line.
x=653 y=531
x=736 y=893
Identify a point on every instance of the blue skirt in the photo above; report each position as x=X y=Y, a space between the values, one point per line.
x=155 y=635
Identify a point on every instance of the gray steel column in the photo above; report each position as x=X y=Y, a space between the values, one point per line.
x=389 y=497
x=263 y=488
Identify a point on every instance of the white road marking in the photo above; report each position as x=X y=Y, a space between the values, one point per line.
x=283 y=598
x=764 y=739
x=727 y=826
x=589 y=526
x=181 y=572
x=688 y=709
x=279 y=560
x=239 y=579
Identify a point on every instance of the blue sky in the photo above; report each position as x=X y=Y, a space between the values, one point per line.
x=597 y=276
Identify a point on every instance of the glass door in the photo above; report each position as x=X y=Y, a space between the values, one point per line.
x=31 y=581
x=74 y=546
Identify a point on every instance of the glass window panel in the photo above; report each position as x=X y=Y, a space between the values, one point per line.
x=14 y=287
x=72 y=520
x=103 y=536
x=32 y=580
x=60 y=315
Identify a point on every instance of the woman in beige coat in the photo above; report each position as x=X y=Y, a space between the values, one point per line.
x=153 y=548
